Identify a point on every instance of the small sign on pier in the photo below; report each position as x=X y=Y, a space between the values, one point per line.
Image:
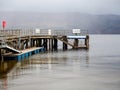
x=49 y=32
x=75 y=31
x=37 y=30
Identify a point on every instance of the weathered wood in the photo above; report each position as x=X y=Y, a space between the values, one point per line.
x=87 y=41
x=40 y=42
x=76 y=41
x=23 y=39
x=65 y=47
x=25 y=42
x=45 y=45
x=51 y=44
x=55 y=44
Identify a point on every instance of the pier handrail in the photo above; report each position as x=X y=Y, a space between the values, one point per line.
x=33 y=32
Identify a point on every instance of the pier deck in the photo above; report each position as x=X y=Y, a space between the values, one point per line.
x=23 y=43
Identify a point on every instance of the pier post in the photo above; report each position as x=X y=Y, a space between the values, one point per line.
x=14 y=44
x=19 y=42
x=55 y=46
x=31 y=44
x=45 y=44
x=10 y=44
x=22 y=45
x=40 y=42
x=76 y=41
x=50 y=44
x=64 y=44
x=27 y=44
x=87 y=41
x=29 y=40
x=37 y=42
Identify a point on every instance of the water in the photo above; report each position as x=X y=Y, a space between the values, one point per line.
x=95 y=69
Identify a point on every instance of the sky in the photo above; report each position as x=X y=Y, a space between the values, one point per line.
x=82 y=6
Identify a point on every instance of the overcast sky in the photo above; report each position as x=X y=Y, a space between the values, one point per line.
x=83 y=6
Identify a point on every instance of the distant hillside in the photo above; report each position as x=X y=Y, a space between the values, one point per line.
x=99 y=24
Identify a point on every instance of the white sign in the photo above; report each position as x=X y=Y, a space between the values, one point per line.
x=37 y=30
x=76 y=30
x=49 y=32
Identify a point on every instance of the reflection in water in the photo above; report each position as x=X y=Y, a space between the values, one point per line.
x=10 y=70
x=5 y=68
x=95 y=69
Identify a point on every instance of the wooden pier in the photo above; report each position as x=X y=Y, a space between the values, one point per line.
x=17 y=42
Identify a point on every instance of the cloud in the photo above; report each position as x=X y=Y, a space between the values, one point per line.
x=87 y=6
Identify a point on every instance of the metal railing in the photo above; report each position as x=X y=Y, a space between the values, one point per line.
x=33 y=32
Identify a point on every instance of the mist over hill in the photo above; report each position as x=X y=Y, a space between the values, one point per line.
x=98 y=24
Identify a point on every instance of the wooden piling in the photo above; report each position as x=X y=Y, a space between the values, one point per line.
x=31 y=43
x=27 y=44
x=76 y=41
x=45 y=44
x=55 y=46
x=87 y=41
x=51 y=44
x=19 y=42
x=40 y=42
x=29 y=40
x=65 y=47
x=22 y=45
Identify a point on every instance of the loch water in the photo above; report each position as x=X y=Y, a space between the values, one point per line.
x=97 y=68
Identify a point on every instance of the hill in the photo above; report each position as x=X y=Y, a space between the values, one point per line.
x=98 y=24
